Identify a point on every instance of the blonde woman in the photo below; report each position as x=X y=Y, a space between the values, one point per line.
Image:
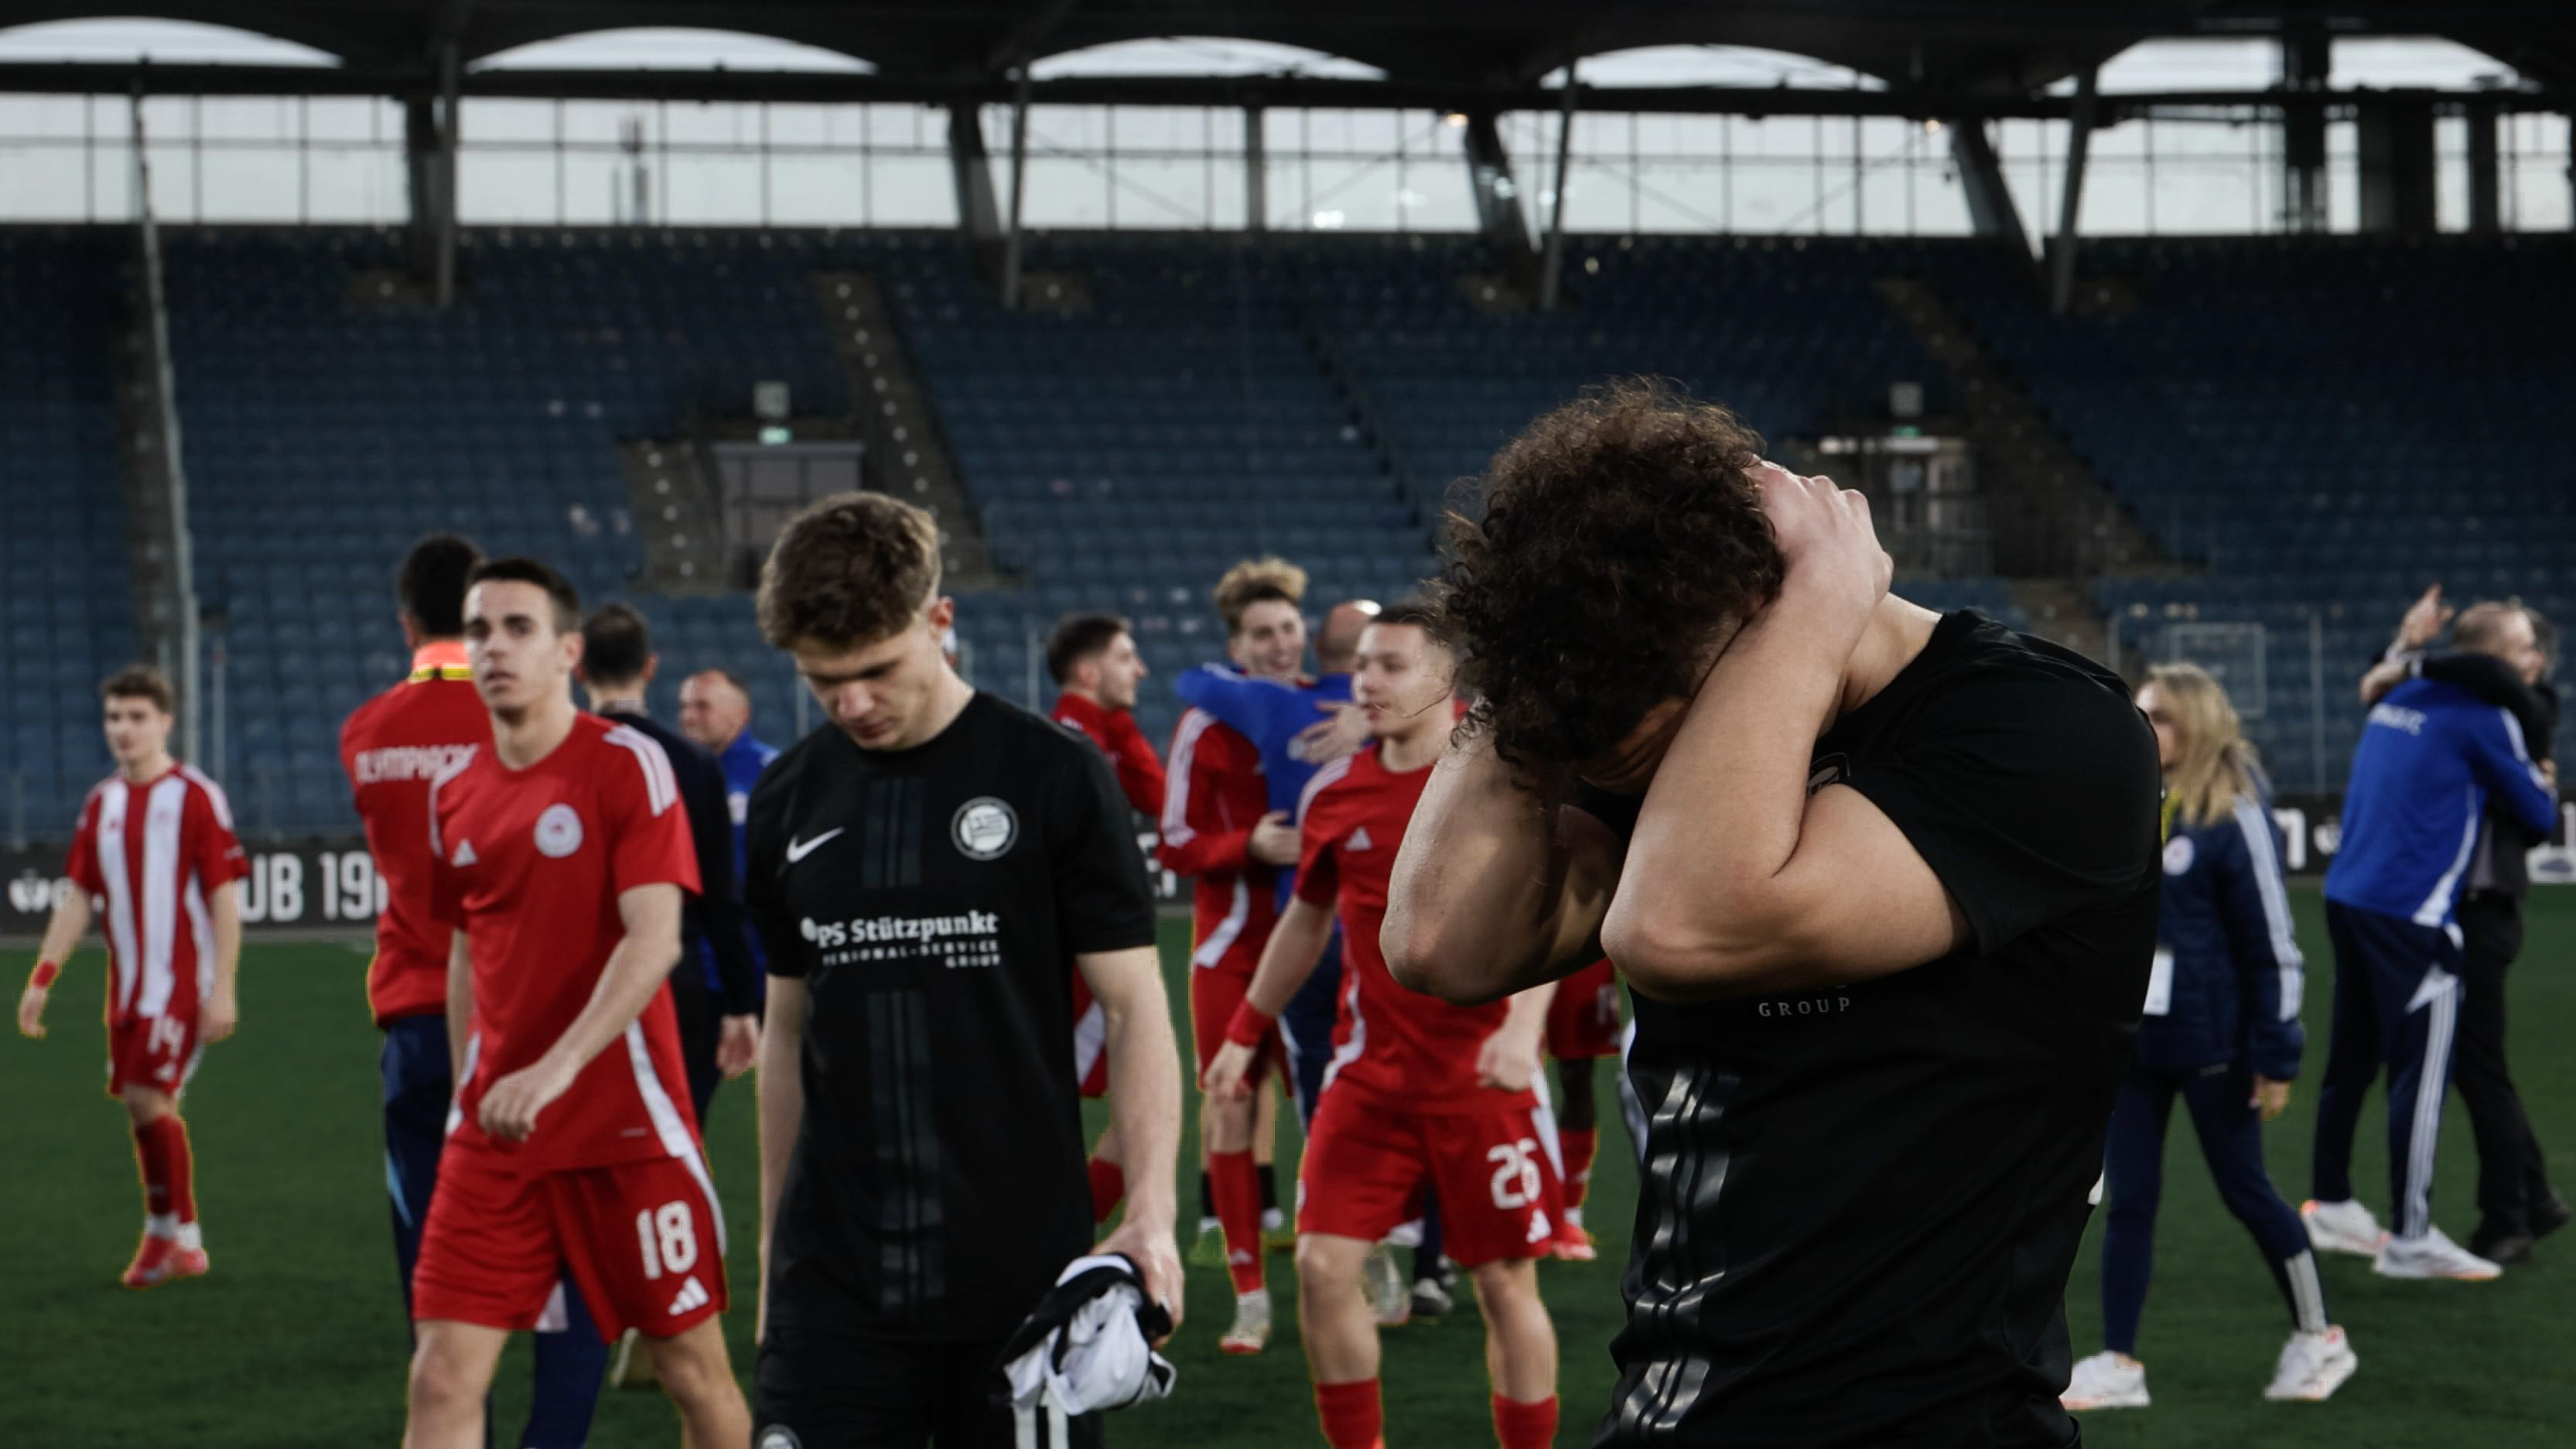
x=2220 y=1031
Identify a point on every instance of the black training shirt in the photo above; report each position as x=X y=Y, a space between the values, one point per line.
x=1859 y=1205
x=933 y=900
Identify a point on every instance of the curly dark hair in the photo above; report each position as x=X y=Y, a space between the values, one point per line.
x=1619 y=533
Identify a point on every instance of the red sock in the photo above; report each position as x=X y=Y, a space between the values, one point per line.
x=1237 y=1184
x=1525 y=1426
x=1108 y=1185
x=179 y=1169
x=1351 y=1416
x=151 y=1160
x=1578 y=1148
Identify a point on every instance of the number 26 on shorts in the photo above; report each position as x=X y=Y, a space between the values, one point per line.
x=1516 y=1174
x=670 y=1238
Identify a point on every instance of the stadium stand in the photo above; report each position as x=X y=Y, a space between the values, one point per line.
x=1198 y=399
x=2329 y=424
x=66 y=612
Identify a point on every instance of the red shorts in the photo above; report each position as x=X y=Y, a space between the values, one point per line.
x=1583 y=1020
x=1215 y=992
x=1367 y=1161
x=151 y=1051
x=642 y=1241
x=1090 y=1042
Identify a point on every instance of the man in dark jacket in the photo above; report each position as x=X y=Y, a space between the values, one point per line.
x=2500 y=656
x=719 y=1038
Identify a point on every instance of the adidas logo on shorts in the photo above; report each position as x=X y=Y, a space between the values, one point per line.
x=693 y=1294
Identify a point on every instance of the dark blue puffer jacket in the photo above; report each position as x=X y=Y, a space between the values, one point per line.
x=2228 y=975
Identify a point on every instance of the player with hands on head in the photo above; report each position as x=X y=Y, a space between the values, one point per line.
x=1882 y=881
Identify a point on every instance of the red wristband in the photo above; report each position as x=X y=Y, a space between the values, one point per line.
x=43 y=977
x=1249 y=1024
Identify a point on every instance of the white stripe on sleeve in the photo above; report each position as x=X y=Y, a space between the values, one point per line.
x=2266 y=860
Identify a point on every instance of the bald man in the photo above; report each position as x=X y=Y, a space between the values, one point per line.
x=715 y=713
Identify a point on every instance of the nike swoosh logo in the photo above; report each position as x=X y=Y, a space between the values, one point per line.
x=799 y=849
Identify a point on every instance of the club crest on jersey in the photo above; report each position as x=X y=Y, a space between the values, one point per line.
x=558 y=831
x=984 y=828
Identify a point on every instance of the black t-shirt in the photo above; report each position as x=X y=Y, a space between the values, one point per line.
x=1860 y=1204
x=933 y=900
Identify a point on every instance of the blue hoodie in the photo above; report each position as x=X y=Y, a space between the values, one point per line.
x=2430 y=758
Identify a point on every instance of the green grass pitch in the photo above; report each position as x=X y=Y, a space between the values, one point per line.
x=297 y=1338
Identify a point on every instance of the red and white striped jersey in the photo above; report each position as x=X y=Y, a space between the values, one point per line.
x=1215 y=796
x=151 y=857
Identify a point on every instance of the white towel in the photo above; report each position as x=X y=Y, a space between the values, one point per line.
x=1088 y=1347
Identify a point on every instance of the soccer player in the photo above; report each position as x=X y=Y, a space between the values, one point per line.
x=931 y=874
x=1298 y=725
x=1882 y=884
x=560 y=853
x=2221 y=1032
x=1096 y=668
x=719 y=1034
x=1420 y=1091
x=1219 y=829
x=1582 y=1028
x=391 y=748
x=154 y=851
x=2432 y=757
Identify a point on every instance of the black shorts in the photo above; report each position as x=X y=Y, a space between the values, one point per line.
x=812 y=1392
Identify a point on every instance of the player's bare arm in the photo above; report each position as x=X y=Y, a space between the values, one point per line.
x=222 y=1011
x=1509 y=1059
x=1496 y=889
x=62 y=935
x=1145 y=1111
x=1296 y=944
x=1737 y=879
x=635 y=970
x=460 y=1002
x=739 y=1049
x=782 y=1113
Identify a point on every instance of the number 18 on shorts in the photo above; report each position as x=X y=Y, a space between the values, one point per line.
x=643 y=1242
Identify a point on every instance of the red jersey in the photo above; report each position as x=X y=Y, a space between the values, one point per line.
x=529 y=864
x=391 y=748
x=1399 y=1045
x=150 y=857
x=1140 y=774
x=1216 y=796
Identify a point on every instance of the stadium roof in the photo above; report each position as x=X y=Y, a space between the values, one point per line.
x=1997 y=48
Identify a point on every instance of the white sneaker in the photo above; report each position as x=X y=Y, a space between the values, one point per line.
x=2313 y=1366
x=1251 y=1330
x=2432 y=1256
x=1387 y=1291
x=2343 y=1227
x=2106 y=1381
